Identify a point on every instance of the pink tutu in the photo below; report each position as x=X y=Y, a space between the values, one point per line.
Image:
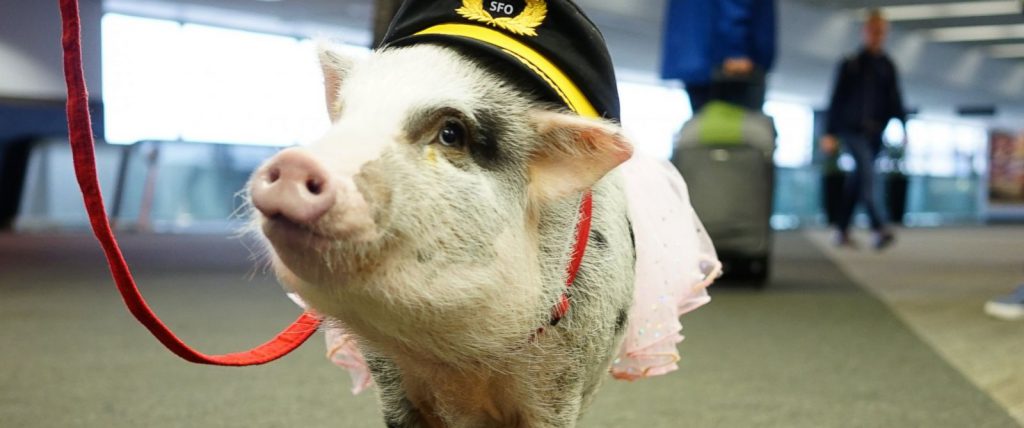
x=343 y=351
x=675 y=263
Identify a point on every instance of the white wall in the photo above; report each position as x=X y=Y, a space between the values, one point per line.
x=30 y=49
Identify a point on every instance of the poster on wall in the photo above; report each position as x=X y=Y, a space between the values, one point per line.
x=1006 y=166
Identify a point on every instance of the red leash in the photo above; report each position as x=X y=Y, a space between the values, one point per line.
x=80 y=133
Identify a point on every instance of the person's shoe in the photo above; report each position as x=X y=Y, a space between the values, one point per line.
x=884 y=239
x=844 y=240
x=1009 y=307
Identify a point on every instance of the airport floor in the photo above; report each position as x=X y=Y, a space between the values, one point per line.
x=837 y=339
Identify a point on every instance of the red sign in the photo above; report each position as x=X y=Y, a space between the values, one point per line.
x=1006 y=168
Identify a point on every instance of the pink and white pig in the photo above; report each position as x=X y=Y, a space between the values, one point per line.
x=432 y=227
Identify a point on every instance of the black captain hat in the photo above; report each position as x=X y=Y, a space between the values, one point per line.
x=550 y=41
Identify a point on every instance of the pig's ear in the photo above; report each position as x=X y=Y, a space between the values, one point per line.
x=574 y=153
x=335 y=67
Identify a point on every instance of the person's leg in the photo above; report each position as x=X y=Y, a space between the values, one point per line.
x=699 y=96
x=851 y=191
x=865 y=171
x=864 y=154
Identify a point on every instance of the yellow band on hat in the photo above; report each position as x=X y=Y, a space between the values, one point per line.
x=547 y=70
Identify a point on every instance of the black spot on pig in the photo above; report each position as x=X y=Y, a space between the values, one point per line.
x=377 y=365
x=598 y=240
x=397 y=409
x=485 y=129
x=620 y=321
x=403 y=415
x=485 y=149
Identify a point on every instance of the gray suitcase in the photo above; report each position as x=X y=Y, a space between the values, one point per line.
x=725 y=155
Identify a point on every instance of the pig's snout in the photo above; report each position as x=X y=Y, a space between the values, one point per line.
x=293 y=184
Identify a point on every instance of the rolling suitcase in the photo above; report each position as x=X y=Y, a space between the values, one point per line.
x=725 y=155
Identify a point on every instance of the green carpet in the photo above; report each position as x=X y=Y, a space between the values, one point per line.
x=812 y=350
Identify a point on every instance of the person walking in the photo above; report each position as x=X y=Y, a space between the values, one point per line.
x=707 y=40
x=866 y=96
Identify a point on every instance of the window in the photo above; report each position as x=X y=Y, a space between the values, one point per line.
x=165 y=80
x=140 y=95
x=942 y=148
x=795 y=126
x=652 y=115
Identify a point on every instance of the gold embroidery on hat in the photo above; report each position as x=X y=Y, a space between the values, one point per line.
x=524 y=24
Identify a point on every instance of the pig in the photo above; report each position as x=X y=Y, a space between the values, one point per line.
x=435 y=220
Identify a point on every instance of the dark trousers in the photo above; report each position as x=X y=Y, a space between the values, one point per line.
x=748 y=93
x=860 y=183
x=699 y=96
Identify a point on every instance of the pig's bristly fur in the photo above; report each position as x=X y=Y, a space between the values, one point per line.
x=445 y=260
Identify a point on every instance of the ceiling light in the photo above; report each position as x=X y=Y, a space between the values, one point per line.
x=977 y=33
x=952 y=10
x=1013 y=50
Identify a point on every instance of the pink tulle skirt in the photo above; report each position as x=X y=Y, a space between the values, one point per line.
x=675 y=263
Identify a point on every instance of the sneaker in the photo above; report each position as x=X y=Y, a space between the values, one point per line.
x=1009 y=307
x=883 y=240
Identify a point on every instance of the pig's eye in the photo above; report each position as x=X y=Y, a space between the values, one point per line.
x=452 y=134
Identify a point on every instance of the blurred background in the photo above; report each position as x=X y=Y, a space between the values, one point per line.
x=252 y=65
x=189 y=96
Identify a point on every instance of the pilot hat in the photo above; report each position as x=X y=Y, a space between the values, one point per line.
x=551 y=43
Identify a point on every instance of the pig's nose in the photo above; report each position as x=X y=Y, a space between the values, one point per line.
x=293 y=184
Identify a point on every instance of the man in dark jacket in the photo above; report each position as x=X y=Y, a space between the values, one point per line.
x=733 y=37
x=865 y=97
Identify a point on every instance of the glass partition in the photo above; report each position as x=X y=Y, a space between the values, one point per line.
x=176 y=186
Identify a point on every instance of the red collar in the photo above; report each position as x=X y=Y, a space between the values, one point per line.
x=582 y=236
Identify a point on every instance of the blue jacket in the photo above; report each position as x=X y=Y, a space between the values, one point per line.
x=701 y=34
